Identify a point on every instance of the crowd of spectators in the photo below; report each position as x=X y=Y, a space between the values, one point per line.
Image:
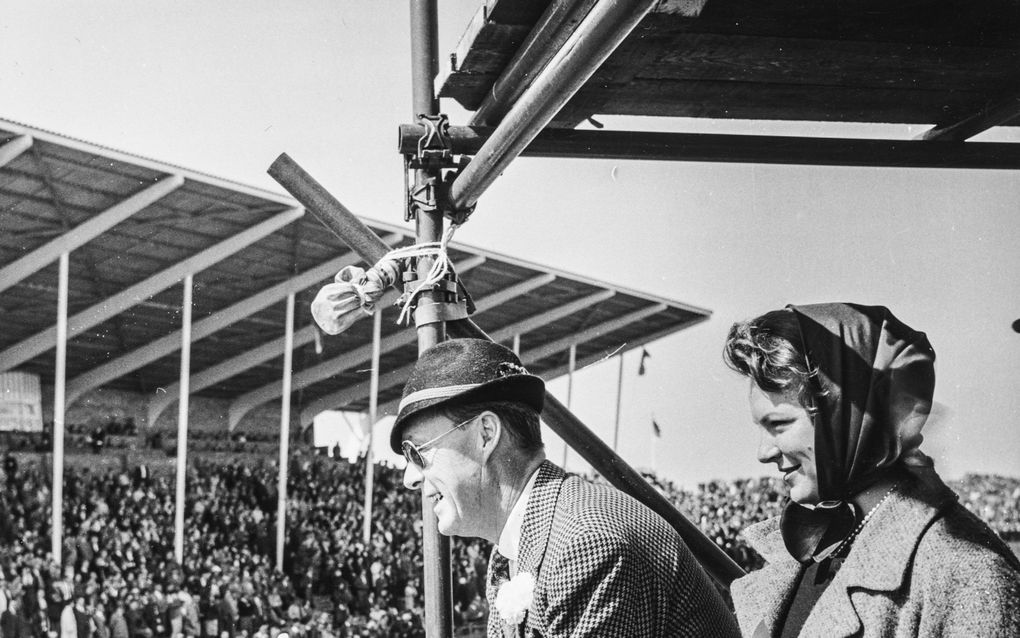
x=119 y=579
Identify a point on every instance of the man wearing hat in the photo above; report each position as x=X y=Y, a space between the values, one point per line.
x=570 y=558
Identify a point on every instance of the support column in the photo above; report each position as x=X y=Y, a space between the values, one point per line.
x=619 y=396
x=59 y=381
x=572 y=363
x=429 y=228
x=182 y=420
x=373 y=416
x=281 y=486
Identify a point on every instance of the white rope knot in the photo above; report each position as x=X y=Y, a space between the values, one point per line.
x=355 y=291
x=441 y=266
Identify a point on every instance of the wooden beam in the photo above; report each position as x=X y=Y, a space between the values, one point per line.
x=755 y=149
x=13 y=148
x=96 y=314
x=968 y=127
x=204 y=327
x=86 y=231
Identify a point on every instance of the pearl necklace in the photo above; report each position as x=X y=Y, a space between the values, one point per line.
x=864 y=521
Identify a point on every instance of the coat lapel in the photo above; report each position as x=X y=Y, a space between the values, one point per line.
x=538 y=520
x=764 y=595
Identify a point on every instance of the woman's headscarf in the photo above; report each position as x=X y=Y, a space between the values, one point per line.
x=875 y=378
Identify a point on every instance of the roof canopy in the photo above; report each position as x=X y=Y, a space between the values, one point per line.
x=135 y=228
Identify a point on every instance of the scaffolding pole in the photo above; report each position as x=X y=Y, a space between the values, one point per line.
x=429 y=228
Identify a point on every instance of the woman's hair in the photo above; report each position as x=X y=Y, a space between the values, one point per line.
x=769 y=350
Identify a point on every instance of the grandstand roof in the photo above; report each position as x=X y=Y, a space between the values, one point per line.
x=136 y=227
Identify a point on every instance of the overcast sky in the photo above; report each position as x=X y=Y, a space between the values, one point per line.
x=224 y=87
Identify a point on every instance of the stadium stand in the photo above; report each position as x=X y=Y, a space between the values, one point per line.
x=119 y=578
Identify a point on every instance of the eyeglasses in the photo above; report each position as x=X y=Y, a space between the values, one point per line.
x=413 y=452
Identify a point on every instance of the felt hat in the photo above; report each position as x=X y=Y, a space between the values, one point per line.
x=462 y=372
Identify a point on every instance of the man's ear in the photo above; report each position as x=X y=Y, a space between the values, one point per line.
x=490 y=429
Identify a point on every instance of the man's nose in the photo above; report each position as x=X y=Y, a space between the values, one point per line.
x=412 y=477
x=767 y=450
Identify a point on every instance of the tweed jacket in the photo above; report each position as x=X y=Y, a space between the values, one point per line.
x=607 y=566
x=923 y=566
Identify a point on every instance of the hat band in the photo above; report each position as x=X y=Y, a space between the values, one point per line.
x=435 y=393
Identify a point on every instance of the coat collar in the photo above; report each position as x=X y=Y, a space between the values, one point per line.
x=879 y=561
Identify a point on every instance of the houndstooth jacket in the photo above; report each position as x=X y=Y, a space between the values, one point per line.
x=924 y=566
x=607 y=566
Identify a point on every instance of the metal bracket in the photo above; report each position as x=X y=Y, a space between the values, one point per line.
x=434 y=146
x=435 y=312
x=455 y=303
x=434 y=155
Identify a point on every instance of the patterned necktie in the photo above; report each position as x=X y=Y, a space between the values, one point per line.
x=499 y=573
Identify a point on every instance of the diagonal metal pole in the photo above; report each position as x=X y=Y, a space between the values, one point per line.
x=572 y=430
x=594 y=40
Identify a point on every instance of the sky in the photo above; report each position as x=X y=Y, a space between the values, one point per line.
x=225 y=87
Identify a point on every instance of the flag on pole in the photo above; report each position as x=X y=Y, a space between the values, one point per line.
x=641 y=366
x=656 y=429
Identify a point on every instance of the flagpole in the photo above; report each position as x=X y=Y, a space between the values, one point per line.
x=655 y=435
x=619 y=392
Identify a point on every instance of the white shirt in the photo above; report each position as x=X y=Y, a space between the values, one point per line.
x=510 y=538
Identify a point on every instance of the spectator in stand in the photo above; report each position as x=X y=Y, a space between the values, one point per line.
x=871 y=542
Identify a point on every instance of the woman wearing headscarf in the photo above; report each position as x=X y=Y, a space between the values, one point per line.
x=871 y=542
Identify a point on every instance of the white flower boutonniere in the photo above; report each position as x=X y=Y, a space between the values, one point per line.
x=514 y=598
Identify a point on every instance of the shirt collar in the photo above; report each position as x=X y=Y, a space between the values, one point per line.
x=510 y=538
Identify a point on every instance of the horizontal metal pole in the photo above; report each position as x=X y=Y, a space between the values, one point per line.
x=754 y=149
x=591 y=43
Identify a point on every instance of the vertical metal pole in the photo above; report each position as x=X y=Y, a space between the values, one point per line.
x=619 y=393
x=281 y=479
x=182 y=420
x=517 y=345
x=571 y=365
x=436 y=548
x=373 y=416
x=59 y=383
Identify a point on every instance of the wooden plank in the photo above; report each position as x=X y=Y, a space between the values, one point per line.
x=989 y=23
x=746 y=100
x=699 y=56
